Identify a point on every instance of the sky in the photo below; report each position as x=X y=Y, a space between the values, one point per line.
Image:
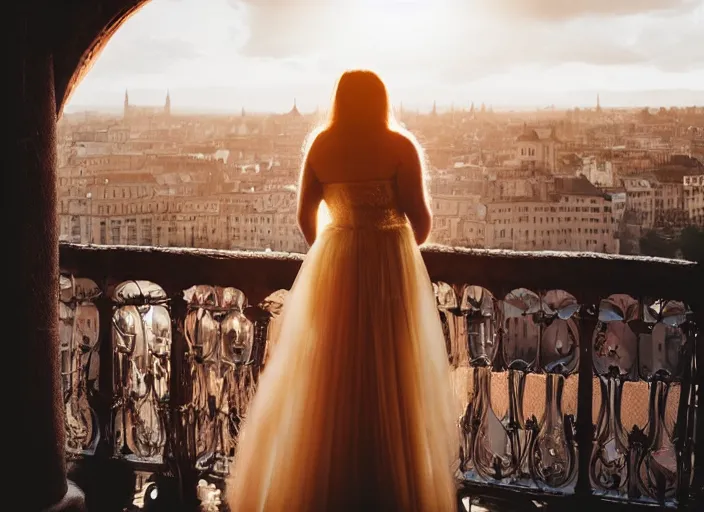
x=260 y=55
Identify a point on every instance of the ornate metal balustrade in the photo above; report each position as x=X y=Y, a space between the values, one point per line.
x=575 y=374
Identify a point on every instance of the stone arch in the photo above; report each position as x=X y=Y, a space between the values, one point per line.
x=97 y=22
x=51 y=46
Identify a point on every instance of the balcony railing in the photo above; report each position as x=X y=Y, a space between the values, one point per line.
x=575 y=373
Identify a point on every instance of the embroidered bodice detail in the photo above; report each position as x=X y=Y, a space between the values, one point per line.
x=366 y=204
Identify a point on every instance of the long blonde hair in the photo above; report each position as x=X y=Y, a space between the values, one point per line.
x=360 y=104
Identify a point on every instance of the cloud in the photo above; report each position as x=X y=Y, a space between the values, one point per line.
x=508 y=45
x=296 y=42
x=283 y=28
x=501 y=34
x=569 y=9
x=465 y=56
x=144 y=55
x=673 y=46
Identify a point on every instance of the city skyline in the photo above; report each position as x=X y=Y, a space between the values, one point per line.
x=593 y=180
x=225 y=55
x=614 y=100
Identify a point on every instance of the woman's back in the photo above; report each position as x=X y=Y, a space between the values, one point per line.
x=340 y=156
x=351 y=156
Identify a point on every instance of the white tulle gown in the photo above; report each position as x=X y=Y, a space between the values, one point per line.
x=354 y=410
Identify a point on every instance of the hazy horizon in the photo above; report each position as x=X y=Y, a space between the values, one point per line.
x=613 y=100
x=224 y=55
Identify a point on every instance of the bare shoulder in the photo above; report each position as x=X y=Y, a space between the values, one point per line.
x=318 y=140
x=312 y=147
x=404 y=146
x=400 y=140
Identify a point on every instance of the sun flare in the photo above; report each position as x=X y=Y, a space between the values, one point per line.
x=323 y=217
x=404 y=27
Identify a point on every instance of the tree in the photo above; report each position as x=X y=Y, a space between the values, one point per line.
x=654 y=244
x=692 y=243
x=628 y=243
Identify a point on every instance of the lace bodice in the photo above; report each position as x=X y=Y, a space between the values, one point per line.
x=365 y=204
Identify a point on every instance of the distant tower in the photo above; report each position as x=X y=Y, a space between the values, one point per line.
x=471 y=108
x=294 y=110
x=127 y=104
x=167 y=104
x=243 y=112
x=435 y=109
x=598 y=103
x=483 y=108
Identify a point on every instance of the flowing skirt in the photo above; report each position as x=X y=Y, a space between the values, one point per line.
x=354 y=410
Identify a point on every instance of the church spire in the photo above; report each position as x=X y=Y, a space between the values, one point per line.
x=294 y=111
x=598 y=103
x=167 y=103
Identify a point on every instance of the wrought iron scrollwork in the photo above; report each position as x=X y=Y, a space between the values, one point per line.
x=523 y=339
x=661 y=350
x=521 y=314
x=485 y=452
x=220 y=341
x=553 y=454
x=79 y=328
x=141 y=337
x=614 y=354
x=638 y=342
x=451 y=318
x=536 y=333
x=481 y=310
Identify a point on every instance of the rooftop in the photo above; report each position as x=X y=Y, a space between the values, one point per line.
x=576 y=186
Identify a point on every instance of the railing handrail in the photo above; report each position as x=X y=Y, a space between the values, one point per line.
x=593 y=276
x=425 y=249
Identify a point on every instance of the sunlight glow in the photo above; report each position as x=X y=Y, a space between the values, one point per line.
x=323 y=217
x=401 y=27
x=222 y=55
